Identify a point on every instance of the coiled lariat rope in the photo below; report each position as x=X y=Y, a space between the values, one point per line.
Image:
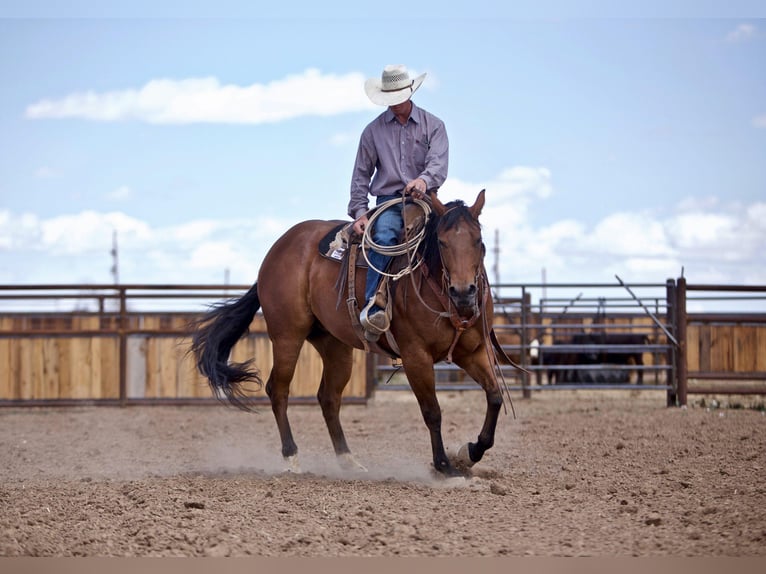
x=409 y=247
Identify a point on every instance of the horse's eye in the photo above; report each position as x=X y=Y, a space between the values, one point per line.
x=442 y=244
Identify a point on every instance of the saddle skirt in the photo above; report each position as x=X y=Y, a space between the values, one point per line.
x=337 y=242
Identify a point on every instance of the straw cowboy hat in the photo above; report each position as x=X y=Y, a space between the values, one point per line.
x=394 y=86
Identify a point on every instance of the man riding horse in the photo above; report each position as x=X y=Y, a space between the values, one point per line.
x=444 y=313
x=404 y=150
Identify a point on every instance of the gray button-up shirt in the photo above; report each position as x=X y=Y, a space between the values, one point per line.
x=390 y=155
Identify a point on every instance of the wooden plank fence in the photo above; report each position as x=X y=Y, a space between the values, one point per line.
x=66 y=358
x=121 y=356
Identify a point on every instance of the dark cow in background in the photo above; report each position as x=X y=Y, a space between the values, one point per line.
x=605 y=352
x=552 y=362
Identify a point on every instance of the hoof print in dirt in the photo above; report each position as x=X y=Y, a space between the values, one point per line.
x=497 y=489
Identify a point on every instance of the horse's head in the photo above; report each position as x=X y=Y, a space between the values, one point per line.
x=456 y=237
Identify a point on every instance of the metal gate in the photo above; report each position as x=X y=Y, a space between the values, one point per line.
x=683 y=339
x=569 y=336
x=680 y=338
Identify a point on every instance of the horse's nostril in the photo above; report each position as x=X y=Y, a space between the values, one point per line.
x=457 y=294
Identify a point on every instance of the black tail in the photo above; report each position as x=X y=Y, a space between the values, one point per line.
x=213 y=337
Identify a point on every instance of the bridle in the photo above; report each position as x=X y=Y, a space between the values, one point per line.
x=459 y=323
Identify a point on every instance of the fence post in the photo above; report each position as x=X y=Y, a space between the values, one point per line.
x=525 y=308
x=671 y=353
x=682 y=369
x=123 y=338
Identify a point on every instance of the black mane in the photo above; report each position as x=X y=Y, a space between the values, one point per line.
x=456 y=212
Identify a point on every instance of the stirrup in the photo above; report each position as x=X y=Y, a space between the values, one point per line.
x=375 y=325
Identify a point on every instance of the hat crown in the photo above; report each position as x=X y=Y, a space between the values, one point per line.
x=394 y=86
x=395 y=78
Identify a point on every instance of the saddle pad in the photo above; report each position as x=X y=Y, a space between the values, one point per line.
x=334 y=245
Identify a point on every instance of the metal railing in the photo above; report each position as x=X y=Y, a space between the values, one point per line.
x=542 y=318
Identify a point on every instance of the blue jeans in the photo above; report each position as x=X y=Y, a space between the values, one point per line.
x=387 y=230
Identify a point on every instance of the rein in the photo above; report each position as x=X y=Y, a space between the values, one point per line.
x=458 y=323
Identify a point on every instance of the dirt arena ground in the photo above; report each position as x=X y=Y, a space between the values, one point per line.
x=574 y=474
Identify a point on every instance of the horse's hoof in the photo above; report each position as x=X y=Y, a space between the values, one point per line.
x=292 y=464
x=448 y=472
x=463 y=458
x=348 y=462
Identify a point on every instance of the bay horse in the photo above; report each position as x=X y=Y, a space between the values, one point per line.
x=443 y=311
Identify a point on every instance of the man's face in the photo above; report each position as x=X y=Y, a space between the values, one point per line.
x=401 y=109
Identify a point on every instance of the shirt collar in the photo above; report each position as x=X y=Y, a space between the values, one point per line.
x=414 y=114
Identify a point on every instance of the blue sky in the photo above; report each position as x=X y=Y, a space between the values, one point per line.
x=607 y=145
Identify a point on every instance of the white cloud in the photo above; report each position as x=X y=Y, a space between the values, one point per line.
x=704 y=235
x=196 y=100
x=649 y=267
x=17 y=232
x=216 y=255
x=695 y=230
x=89 y=232
x=75 y=248
x=741 y=33
x=194 y=230
x=627 y=235
x=760 y=121
x=508 y=195
x=714 y=241
x=756 y=215
x=522 y=182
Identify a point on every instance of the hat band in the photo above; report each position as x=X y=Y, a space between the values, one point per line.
x=388 y=90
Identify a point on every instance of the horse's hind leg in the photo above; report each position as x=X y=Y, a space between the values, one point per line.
x=337 y=361
x=278 y=390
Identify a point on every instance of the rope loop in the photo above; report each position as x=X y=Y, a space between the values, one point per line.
x=409 y=247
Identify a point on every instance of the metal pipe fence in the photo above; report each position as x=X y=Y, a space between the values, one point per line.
x=698 y=338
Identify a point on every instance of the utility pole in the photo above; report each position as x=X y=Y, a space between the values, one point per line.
x=115 y=270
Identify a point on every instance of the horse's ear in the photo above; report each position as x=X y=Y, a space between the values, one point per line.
x=436 y=204
x=476 y=208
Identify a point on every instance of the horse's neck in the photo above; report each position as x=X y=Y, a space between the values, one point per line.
x=429 y=289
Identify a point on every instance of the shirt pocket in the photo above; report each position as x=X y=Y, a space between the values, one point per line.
x=419 y=152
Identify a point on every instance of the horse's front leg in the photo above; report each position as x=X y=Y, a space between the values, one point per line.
x=420 y=374
x=479 y=369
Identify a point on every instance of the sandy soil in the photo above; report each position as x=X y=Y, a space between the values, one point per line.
x=575 y=473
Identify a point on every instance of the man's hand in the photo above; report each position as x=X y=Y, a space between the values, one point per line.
x=360 y=225
x=416 y=188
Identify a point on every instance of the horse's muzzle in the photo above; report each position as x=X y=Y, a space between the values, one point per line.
x=464 y=298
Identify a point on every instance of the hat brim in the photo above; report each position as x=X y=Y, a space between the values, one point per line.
x=374 y=89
